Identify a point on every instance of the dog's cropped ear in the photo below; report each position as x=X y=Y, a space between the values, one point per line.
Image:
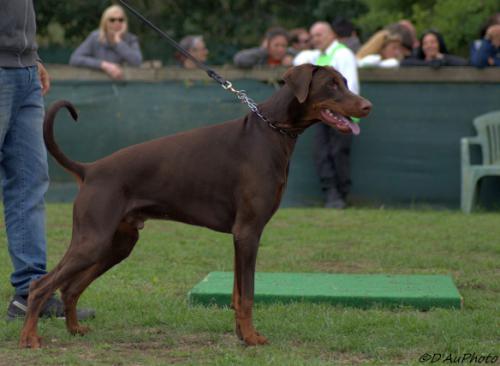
x=299 y=80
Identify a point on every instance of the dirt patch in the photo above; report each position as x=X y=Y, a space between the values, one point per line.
x=165 y=348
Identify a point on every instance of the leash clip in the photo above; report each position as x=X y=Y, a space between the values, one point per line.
x=227 y=85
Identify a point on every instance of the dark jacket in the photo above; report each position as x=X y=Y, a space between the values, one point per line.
x=481 y=50
x=447 y=60
x=92 y=52
x=251 y=57
x=18 y=46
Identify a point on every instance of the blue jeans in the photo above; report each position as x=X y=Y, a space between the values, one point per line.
x=25 y=179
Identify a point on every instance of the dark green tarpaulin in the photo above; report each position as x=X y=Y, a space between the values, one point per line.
x=408 y=151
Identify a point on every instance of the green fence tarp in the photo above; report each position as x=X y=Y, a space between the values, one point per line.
x=408 y=151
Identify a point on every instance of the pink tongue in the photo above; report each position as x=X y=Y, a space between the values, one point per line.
x=354 y=128
x=334 y=119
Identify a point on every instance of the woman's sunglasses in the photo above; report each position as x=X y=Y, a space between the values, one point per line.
x=112 y=20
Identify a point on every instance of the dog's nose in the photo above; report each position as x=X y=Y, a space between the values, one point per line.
x=366 y=106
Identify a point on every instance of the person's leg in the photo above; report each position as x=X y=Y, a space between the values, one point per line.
x=341 y=153
x=25 y=175
x=332 y=163
x=322 y=157
x=23 y=159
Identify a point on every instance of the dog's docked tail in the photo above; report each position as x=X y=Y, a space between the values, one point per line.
x=74 y=167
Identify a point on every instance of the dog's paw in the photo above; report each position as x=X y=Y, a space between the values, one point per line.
x=30 y=341
x=255 y=339
x=79 y=330
x=251 y=337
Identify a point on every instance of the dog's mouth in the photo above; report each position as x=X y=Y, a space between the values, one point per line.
x=342 y=123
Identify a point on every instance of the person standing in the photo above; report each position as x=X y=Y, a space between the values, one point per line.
x=23 y=157
x=332 y=148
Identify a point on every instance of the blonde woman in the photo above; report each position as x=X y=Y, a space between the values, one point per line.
x=109 y=47
x=383 y=49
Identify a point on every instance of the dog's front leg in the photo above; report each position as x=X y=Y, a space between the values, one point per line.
x=245 y=247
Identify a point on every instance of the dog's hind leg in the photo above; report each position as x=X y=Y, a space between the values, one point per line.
x=88 y=244
x=97 y=214
x=124 y=241
x=74 y=262
x=36 y=300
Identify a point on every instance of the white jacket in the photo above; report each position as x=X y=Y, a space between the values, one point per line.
x=343 y=61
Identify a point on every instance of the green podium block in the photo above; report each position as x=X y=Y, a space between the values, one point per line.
x=353 y=290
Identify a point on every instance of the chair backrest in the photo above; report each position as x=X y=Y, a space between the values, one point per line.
x=488 y=131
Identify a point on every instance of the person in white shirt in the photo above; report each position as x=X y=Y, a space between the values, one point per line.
x=332 y=148
x=328 y=51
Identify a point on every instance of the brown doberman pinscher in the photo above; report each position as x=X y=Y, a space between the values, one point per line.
x=229 y=177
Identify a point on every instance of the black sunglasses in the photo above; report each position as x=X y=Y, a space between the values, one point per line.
x=112 y=20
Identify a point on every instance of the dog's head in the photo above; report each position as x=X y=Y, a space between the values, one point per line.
x=323 y=92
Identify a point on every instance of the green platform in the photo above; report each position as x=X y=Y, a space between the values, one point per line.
x=362 y=291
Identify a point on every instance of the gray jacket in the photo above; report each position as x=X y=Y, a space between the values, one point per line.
x=251 y=57
x=92 y=52
x=17 y=33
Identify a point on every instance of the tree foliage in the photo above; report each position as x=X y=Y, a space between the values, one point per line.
x=458 y=20
x=230 y=25
x=227 y=25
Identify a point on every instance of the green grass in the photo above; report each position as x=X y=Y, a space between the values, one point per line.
x=143 y=317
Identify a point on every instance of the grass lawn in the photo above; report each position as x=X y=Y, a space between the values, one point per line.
x=143 y=317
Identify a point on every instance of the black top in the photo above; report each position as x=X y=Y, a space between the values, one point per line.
x=447 y=60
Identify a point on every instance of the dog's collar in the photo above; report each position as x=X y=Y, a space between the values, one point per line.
x=272 y=125
x=244 y=98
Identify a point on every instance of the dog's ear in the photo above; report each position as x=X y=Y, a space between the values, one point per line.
x=299 y=80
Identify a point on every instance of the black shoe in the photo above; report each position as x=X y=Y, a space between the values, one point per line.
x=334 y=199
x=53 y=308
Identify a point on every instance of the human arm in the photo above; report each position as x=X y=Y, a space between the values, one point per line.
x=287 y=60
x=370 y=61
x=113 y=70
x=413 y=61
x=484 y=52
x=389 y=63
x=129 y=50
x=452 y=60
x=249 y=58
x=480 y=53
x=84 y=55
x=306 y=57
x=376 y=61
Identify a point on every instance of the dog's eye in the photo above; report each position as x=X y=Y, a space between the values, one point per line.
x=333 y=85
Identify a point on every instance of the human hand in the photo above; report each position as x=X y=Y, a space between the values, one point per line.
x=493 y=34
x=44 y=78
x=118 y=35
x=113 y=70
x=287 y=60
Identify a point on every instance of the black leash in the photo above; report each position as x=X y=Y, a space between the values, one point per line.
x=227 y=85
